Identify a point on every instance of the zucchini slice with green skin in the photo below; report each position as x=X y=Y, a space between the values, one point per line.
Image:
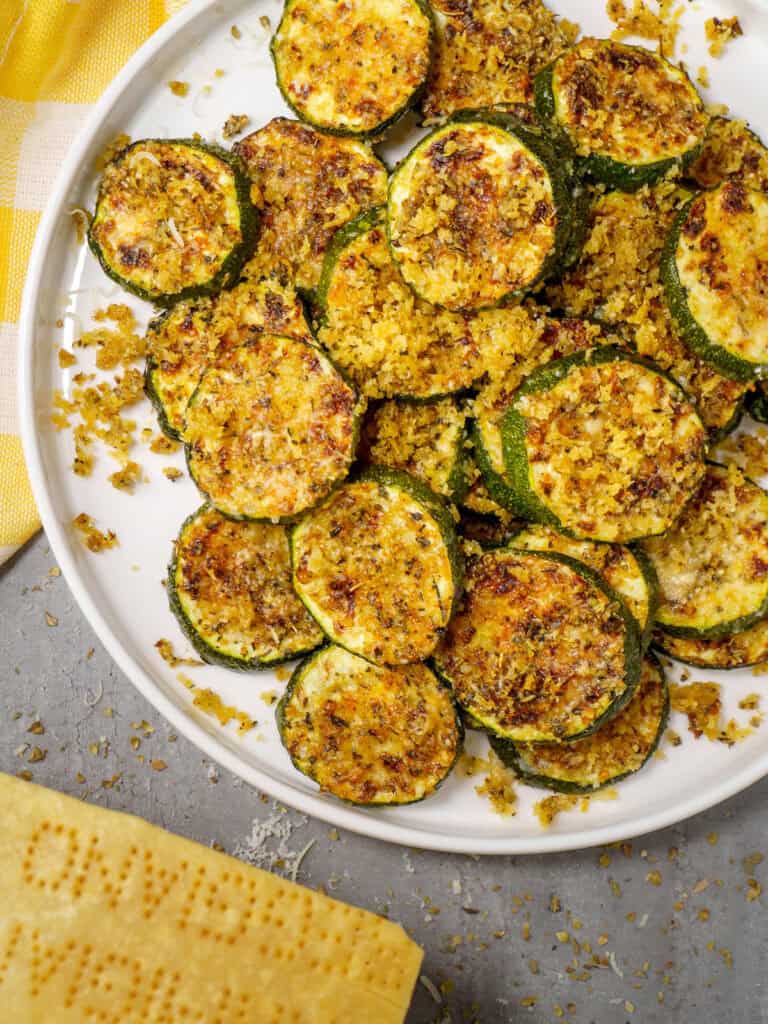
x=367 y=734
x=712 y=565
x=541 y=648
x=731 y=151
x=603 y=445
x=627 y=572
x=551 y=339
x=229 y=585
x=308 y=184
x=173 y=219
x=271 y=429
x=426 y=439
x=740 y=650
x=631 y=115
x=378 y=566
x=353 y=68
x=617 y=281
x=487 y=54
x=713 y=269
x=479 y=211
x=757 y=404
x=388 y=341
x=618 y=749
x=184 y=340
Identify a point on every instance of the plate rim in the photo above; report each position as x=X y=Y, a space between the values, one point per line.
x=355 y=820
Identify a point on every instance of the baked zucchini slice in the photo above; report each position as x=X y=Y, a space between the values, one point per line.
x=627 y=572
x=173 y=219
x=631 y=116
x=712 y=565
x=229 y=585
x=731 y=151
x=550 y=339
x=619 y=748
x=479 y=211
x=378 y=566
x=271 y=429
x=714 y=276
x=308 y=184
x=740 y=650
x=603 y=445
x=184 y=340
x=426 y=439
x=618 y=282
x=487 y=54
x=367 y=734
x=541 y=648
x=352 y=68
x=388 y=341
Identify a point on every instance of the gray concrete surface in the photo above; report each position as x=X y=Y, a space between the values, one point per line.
x=507 y=939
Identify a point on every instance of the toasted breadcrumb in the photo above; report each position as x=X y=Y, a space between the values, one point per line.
x=111 y=150
x=702 y=77
x=719 y=32
x=92 y=537
x=179 y=88
x=641 y=21
x=166 y=652
x=162 y=445
x=125 y=479
x=547 y=810
x=172 y=473
x=499 y=787
x=235 y=125
x=66 y=359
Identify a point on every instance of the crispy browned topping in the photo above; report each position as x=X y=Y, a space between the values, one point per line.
x=732 y=151
x=720 y=31
x=92 y=537
x=307 y=185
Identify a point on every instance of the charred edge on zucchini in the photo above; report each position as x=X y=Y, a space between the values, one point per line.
x=271 y=429
x=713 y=269
x=617 y=750
x=598 y=92
x=473 y=253
x=353 y=69
x=152 y=229
x=712 y=565
x=379 y=566
x=229 y=585
x=647 y=496
x=391 y=343
x=369 y=735
x=426 y=439
x=541 y=649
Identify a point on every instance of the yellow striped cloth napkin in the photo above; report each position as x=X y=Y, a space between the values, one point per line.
x=56 y=58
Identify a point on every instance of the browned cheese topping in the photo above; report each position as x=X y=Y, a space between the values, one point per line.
x=618 y=281
x=619 y=747
x=167 y=215
x=368 y=734
x=372 y=565
x=352 y=65
x=233 y=582
x=271 y=428
x=388 y=341
x=731 y=151
x=536 y=651
x=626 y=103
x=472 y=216
x=488 y=52
x=722 y=261
x=186 y=340
x=307 y=184
x=713 y=564
x=614 y=450
x=425 y=440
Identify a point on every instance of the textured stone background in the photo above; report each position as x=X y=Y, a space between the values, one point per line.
x=683 y=933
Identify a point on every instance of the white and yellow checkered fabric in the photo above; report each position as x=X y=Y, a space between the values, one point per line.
x=56 y=58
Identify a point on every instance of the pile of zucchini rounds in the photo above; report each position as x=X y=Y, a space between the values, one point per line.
x=460 y=508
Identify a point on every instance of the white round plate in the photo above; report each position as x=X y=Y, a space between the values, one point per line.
x=119 y=590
